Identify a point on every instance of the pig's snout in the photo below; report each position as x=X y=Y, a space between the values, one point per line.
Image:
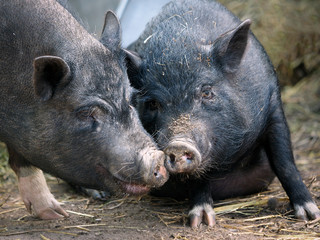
x=160 y=176
x=157 y=174
x=182 y=157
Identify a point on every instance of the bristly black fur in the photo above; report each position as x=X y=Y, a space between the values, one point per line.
x=206 y=80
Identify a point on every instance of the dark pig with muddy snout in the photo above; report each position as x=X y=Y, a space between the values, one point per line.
x=210 y=96
x=65 y=107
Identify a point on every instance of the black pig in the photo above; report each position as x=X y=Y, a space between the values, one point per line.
x=210 y=96
x=65 y=107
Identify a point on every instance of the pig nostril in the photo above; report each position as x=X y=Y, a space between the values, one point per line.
x=172 y=158
x=188 y=155
x=160 y=175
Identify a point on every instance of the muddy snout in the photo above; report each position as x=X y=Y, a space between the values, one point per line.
x=182 y=156
x=156 y=175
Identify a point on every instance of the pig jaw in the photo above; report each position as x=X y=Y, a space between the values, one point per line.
x=138 y=177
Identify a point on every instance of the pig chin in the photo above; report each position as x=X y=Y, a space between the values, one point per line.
x=134 y=189
x=116 y=185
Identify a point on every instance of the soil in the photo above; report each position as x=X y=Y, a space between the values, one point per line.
x=265 y=215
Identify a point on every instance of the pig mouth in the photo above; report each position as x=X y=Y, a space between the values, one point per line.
x=126 y=187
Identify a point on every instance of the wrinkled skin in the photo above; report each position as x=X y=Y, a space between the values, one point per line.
x=209 y=95
x=65 y=107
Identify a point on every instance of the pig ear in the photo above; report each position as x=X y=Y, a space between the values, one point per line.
x=230 y=47
x=134 y=63
x=49 y=72
x=111 y=31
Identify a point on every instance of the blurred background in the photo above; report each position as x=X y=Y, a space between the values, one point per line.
x=93 y=12
x=290 y=32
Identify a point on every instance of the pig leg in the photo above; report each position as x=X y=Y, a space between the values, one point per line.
x=36 y=195
x=201 y=202
x=280 y=154
x=255 y=177
x=34 y=190
x=95 y=194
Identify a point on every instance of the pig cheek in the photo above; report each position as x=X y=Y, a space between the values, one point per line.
x=204 y=137
x=107 y=178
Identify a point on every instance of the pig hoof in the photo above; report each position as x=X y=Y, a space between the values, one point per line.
x=202 y=212
x=46 y=208
x=95 y=194
x=308 y=211
x=51 y=214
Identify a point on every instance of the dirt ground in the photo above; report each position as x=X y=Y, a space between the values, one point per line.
x=250 y=217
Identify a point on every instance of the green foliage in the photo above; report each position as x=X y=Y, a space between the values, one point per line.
x=6 y=173
x=3 y=156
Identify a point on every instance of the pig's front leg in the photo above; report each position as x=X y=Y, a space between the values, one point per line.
x=201 y=207
x=36 y=195
x=33 y=189
x=280 y=154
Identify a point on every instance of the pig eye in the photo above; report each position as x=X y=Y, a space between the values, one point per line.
x=87 y=114
x=207 y=93
x=153 y=105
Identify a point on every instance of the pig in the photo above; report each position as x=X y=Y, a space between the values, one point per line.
x=208 y=93
x=65 y=107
